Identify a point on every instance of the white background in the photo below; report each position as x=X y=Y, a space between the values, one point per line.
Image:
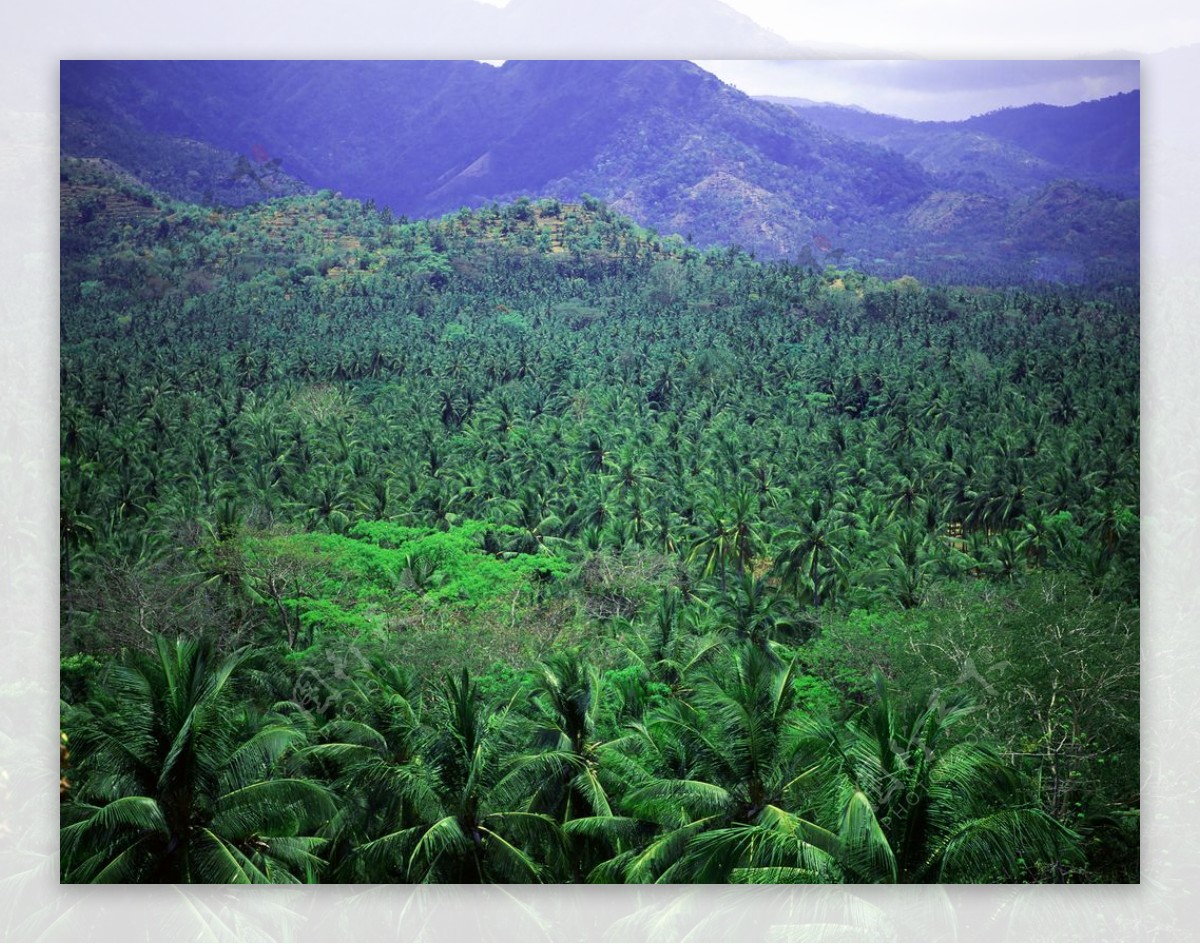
x=33 y=906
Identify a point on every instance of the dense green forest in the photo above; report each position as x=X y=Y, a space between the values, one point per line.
x=528 y=545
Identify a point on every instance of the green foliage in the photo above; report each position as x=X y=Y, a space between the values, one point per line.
x=466 y=574
x=361 y=581
x=920 y=802
x=815 y=695
x=77 y=674
x=179 y=781
x=667 y=507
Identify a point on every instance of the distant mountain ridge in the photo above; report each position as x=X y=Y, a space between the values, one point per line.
x=1094 y=142
x=662 y=141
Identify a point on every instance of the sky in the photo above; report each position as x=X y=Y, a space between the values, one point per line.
x=930 y=90
x=1021 y=57
x=960 y=28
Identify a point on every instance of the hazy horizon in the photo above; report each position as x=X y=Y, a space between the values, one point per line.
x=925 y=89
x=930 y=90
x=937 y=28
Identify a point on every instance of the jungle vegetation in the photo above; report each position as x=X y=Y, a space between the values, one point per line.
x=528 y=545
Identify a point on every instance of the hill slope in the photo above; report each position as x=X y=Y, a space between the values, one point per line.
x=665 y=142
x=1093 y=142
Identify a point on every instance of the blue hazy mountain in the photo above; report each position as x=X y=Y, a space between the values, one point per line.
x=662 y=141
x=1094 y=142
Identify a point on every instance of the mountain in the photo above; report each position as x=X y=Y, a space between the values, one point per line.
x=662 y=141
x=666 y=141
x=1097 y=140
x=1094 y=142
x=794 y=101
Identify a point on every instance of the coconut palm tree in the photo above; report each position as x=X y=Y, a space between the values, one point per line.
x=814 y=559
x=723 y=779
x=562 y=774
x=176 y=781
x=731 y=534
x=373 y=751
x=753 y=611
x=915 y=798
x=476 y=826
x=669 y=649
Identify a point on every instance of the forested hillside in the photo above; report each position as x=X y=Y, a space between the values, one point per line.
x=1043 y=194
x=525 y=544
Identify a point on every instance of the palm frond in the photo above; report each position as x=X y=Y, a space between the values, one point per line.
x=507 y=861
x=670 y=801
x=216 y=861
x=865 y=849
x=279 y=807
x=444 y=838
x=254 y=758
x=1005 y=844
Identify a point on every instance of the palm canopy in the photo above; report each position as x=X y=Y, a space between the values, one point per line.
x=668 y=647
x=721 y=778
x=474 y=826
x=813 y=559
x=731 y=533
x=562 y=775
x=181 y=784
x=916 y=799
x=373 y=752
